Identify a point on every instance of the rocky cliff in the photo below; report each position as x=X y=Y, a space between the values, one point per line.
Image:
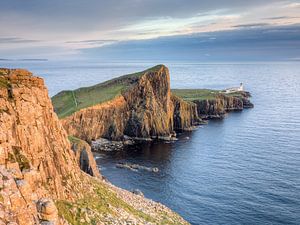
x=40 y=179
x=84 y=156
x=212 y=104
x=221 y=104
x=36 y=159
x=185 y=114
x=141 y=106
x=144 y=109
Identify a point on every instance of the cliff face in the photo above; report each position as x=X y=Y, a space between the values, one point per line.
x=146 y=109
x=221 y=104
x=35 y=152
x=84 y=156
x=40 y=180
x=185 y=114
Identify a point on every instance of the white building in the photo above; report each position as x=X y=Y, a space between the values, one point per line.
x=235 y=89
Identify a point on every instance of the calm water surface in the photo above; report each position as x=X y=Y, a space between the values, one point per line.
x=244 y=169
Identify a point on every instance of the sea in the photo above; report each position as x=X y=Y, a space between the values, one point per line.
x=244 y=169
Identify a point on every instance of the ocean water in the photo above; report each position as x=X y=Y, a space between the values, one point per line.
x=244 y=169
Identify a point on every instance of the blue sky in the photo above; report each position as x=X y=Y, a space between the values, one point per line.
x=215 y=30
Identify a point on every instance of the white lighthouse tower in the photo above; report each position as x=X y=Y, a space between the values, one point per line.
x=241 y=88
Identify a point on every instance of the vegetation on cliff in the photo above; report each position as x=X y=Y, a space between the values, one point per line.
x=103 y=202
x=68 y=102
x=201 y=94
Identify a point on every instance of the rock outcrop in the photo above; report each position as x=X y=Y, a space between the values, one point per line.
x=221 y=104
x=40 y=179
x=185 y=114
x=84 y=156
x=146 y=109
x=35 y=156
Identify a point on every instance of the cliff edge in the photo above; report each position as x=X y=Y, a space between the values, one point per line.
x=40 y=177
x=138 y=105
x=141 y=106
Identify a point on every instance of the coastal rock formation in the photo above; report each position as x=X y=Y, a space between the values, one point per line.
x=221 y=104
x=84 y=156
x=185 y=114
x=145 y=109
x=40 y=179
x=35 y=152
x=141 y=106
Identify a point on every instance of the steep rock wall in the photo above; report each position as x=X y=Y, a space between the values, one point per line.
x=221 y=104
x=145 y=110
x=185 y=114
x=84 y=157
x=34 y=148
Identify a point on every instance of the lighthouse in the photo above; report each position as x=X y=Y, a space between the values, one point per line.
x=241 y=88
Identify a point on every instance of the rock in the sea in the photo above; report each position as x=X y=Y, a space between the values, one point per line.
x=136 y=167
x=103 y=144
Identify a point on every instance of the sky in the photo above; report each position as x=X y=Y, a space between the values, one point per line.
x=192 y=30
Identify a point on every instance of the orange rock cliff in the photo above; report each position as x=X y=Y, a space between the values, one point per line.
x=147 y=109
x=40 y=177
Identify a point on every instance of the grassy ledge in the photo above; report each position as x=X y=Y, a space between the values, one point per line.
x=201 y=94
x=67 y=102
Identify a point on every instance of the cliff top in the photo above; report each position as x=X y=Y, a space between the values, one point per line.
x=17 y=72
x=201 y=94
x=70 y=101
x=10 y=78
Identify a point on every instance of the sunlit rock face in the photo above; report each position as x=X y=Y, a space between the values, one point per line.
x=84 y=157
x=145 y=110
x=221 y=104
x=36 y=160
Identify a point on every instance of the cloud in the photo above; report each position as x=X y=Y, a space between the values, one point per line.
x=251 y=25
x=79 y=16
x=14 y=40
x=293 y=5
x=91 y=41
x=279 y=18
x=75 y=24
x=260 y=43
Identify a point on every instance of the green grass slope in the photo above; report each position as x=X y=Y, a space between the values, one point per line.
x=200 y=94
x=67 y=102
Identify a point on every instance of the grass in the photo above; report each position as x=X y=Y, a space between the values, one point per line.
x=101 y=202
x=20 y=158
x=74 y=140
x=200 y=94
x=67 y=102
x=4 y=83
x=195 y=94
